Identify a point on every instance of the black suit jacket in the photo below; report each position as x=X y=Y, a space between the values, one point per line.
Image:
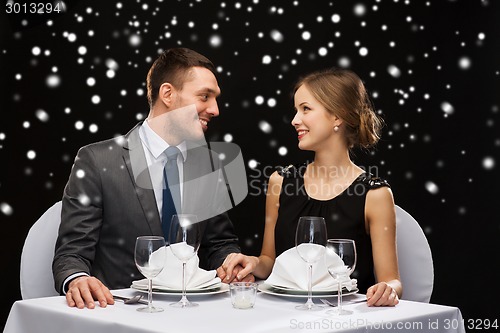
x=109 y=201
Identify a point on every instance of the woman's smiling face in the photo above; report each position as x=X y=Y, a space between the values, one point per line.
x=313 y=123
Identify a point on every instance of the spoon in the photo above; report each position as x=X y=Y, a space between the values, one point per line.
x=131 y=300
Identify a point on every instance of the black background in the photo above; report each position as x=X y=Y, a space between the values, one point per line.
x=441 y=161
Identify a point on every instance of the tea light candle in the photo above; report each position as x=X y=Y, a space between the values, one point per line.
x=243 y=301
x=243 y=294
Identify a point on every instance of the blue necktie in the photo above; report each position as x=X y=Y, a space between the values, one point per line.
x=171 y=190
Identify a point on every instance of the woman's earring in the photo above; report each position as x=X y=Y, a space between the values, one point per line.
x=336 y=129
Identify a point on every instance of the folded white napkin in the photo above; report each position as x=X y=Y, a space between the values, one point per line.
x=291 y=271
x=171 y=275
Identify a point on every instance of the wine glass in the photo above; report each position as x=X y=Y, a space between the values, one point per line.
x=150 y=256
x=341 y=256
x=310 y=242
x=184 y=238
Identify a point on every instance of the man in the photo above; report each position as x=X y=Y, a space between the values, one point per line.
x=115 y=190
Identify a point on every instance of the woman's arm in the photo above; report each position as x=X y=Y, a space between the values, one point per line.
x=380 y=216
x=261 y=266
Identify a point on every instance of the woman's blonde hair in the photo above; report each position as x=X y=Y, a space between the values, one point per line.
x=343 y=94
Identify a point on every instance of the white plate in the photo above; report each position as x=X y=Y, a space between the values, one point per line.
x=222 y=288
x=280 y=291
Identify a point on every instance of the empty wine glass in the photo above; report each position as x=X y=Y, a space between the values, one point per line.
x=344 y=250
x=310 y=242
x=184 y=239
x=150 y=255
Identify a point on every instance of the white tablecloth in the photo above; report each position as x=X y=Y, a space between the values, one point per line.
x=215 y=314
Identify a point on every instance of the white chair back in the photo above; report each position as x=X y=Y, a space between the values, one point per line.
x=38 y=251
x=416 y=267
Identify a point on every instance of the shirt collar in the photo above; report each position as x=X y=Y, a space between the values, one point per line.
x=155 y=144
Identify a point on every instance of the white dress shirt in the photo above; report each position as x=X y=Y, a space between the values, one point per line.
x=154 y=148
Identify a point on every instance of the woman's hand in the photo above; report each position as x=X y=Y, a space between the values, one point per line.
x=382 y=294
x=237 y=267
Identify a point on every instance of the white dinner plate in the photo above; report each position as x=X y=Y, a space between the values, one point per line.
x=286 y=292
x=221 y=288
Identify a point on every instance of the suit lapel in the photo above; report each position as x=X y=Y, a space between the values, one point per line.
x=135 y=160
x=205 y=193
x=195 y=171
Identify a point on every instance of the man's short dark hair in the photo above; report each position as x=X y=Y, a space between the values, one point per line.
x=172 y=66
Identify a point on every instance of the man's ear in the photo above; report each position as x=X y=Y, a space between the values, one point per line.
x=166 y=93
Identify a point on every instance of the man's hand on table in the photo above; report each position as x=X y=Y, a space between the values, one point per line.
x=83 y=290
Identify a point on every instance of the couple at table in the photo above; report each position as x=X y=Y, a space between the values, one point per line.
x=116 y=188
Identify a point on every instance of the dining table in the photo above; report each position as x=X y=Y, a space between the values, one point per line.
x=215 y=313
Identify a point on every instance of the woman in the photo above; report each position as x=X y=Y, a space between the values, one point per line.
x=333 y=115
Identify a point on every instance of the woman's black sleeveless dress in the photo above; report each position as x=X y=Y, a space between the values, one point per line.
x=344 y=216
